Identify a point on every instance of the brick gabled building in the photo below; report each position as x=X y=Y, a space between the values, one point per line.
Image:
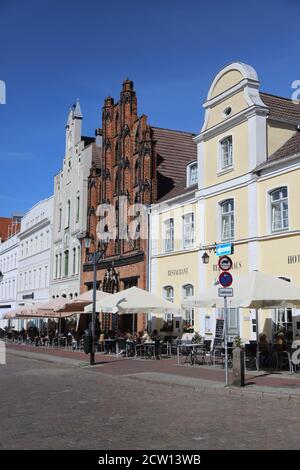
x=139 y=164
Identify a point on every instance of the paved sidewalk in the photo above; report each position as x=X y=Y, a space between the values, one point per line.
x=167 y=371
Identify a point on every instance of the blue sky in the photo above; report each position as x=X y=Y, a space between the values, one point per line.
x=53 y=51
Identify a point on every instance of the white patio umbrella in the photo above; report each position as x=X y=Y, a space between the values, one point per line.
x=78 y=304
x=23 y=310
x=254 y=290
x=134 y=300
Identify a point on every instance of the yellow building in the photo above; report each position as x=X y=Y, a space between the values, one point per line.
x=249 y=173
x=248 y=156
x=174 y=252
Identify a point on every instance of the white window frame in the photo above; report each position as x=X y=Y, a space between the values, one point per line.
x=168 y=235
x=189 y=169
x=189 y=311
x=165 y=290
x=168 y=316
x=279 y=202
x=188 y=227
x=222 y=165
x=228 y=214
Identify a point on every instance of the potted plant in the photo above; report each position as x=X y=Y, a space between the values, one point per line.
x=238 y=343
x=197 y=338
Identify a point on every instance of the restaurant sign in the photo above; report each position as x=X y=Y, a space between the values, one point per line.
x=178 y=272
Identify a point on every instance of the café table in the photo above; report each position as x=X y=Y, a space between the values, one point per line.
x=147 y=350
x=192 y=350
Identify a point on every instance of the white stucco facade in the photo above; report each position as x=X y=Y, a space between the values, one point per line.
x=70 y=209
x=9 y=260
x=34 y=254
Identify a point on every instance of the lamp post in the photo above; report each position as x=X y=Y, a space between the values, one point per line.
x=94 y=258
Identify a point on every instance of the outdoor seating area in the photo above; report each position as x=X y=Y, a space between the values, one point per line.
x=62 y=329
x=184 y=352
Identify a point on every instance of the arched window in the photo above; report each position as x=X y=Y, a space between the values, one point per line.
x=227 y=220
x=116 y=122
x=68 y=213
x=168 y=293
x=279 y=209
x=117 y=152
x=136 y=140
x=226 y=152
x=117 y=183
x=192 y=174
x=136 y=172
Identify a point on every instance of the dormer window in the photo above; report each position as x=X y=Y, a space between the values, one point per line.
x=192 y=174
x=226 y=153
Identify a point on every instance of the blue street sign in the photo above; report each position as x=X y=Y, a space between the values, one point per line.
x=224 y=249
x=225 y=279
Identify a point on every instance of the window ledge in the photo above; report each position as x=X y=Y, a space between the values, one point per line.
x=280 y=230
x=225 y=171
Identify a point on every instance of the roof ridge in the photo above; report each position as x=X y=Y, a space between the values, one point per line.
x=172 y=130
x=276 y=96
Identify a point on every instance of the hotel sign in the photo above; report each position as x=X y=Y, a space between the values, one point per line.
x=293 y=259
x=178 y=272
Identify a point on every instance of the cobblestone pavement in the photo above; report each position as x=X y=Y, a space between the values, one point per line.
x=48 y=405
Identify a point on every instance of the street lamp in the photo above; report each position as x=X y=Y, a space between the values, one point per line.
x=94 y=258
x=205 y=258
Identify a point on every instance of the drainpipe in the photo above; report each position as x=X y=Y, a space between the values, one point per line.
x=149 y=249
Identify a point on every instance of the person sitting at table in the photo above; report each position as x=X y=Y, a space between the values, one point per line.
x=145 y=337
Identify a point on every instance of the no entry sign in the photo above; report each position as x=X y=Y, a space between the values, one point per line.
x=225 y=279
x=225 y=263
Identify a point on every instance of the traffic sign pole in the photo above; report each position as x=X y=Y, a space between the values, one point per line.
x=225 y=279
x=225 y=341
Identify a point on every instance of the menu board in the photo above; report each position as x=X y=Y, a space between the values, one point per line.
x=219 y=332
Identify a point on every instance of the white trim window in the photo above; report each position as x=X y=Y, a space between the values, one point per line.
x=226 y=153
x=192 y=174
x=168 y=293
x=68 y=213
x=279 y=209
x=188 y=291
x=188 y=229
x=227 y=220
x=169 y=235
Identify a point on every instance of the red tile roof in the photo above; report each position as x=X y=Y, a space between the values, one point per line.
x=179 y=190
x=96 y=156
x=289 y=148
x=282 y=108
x=174 y=149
